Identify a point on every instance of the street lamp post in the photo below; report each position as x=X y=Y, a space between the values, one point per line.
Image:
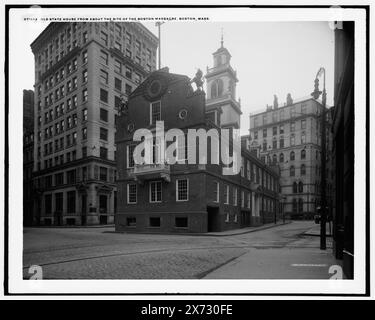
x=323 y=216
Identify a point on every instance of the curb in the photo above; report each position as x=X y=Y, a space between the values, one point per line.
x=211 y=235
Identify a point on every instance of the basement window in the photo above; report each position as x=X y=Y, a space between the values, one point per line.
x=181 y=222
x=155 y=222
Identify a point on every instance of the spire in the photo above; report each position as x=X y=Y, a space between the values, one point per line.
x=222 y=38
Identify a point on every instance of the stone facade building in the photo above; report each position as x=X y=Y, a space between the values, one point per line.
x=28 y=156
x=82 y=73
x=290 y=136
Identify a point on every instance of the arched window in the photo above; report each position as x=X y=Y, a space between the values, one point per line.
x=303 y=154
x=274 y=158
x=292 y=156
x=300 y=187
x=217 y=88
x=295 y=187
x=292 y=171
x=300 y=205
x=303 y=170
x=281 y=157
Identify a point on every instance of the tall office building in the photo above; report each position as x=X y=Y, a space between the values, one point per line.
x=83 y=71
x=290 y=136
x=28 y=155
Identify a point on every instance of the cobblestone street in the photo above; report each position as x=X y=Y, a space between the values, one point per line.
x=100 y=253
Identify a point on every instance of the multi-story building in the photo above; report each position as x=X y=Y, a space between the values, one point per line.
x=83 y=71
x=290 y=136
x=186 y=197
x=343 y=148
x=28 y=155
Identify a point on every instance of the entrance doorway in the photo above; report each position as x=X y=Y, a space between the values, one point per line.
x=213 y=222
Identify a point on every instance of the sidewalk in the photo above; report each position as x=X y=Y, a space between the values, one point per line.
x=315 y=231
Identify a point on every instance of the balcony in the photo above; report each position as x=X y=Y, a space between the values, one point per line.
x=150 y=171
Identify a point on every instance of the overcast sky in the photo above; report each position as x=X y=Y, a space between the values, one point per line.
x=270 y=57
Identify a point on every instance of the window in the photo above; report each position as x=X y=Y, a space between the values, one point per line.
x=303 y=154
x=182 y=191
x=128 y=53
x=84 y=133
x=128 y=89
x=303 y=108
x=118 y=45
x=303 y=124
x=132 y=193
x=117 y=102
x=303 y=170
x=128 y=73
x=118 y=84
x=274 y=144
x=292 y=140
x=292 y=156
x=118 y=66
x=128 y=39
x=103 y=115
x=130 y=151
x=118 y=30
x=48 y=203
x=103 y=173
x=155 y=112
x=104 y=57
x=216 y=191
x=264 y=145
x=104 y=38
x=84 y=95
x=103 y=134
x=103 y=153
x=104 y=95
x=84 y=114
x=274 y=131
x=138 y=45
x=243 y=199
x=303 y=138
x=235 y=199
x=281 y=157
x=255 y=135
x=281 y=129
x=74 y=137
x=137 y=78
x=84 y=57
x=181 y=222
x=59 y=179
x=281 y=142
x=295 y=187
x=103 y=77
x=292 y=171
x=264 y=133
x=84 y=36
x=292 y=126
x=226 y=194
x=274 y=159
x=71 y=176
x=155 y=191
x=131 y=221
x=264 y=119
x=154 y=222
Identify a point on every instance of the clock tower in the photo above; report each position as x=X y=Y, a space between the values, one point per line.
x=221 y=104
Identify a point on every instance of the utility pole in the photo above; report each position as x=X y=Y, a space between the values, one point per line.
x=158 y=24
x=323 y=214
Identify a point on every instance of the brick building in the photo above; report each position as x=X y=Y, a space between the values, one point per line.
x=186 y=197
x=82 y=71
x=289 y=136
